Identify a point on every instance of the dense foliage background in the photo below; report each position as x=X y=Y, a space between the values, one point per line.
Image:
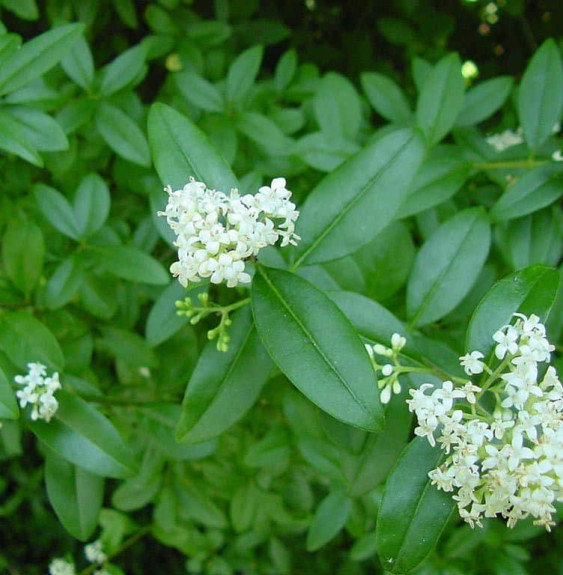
x=287 y=89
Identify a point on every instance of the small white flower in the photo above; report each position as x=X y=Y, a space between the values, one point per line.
x=61 y=567
x=38 y=392
x=507 y=341
x=387 y=370
x=505 y=140
x=471 y=362
x=557 y=156
x=398 y=342
x=94 y=552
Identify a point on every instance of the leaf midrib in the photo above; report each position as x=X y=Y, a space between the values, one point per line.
x=313 y=341
x=344 y=212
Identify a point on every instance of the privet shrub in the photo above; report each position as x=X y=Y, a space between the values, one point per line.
x=349 y=377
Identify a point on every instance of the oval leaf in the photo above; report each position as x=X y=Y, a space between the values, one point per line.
x=75 y=494
x=224 y=385
x=81 y=435
x=447 y=266
x=329 y=519
x=413 y=513
x=180 y=151
x=353 y=204
x=313 y=343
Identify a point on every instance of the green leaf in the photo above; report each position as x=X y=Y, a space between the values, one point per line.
x=57 y=210
x=531 y=290
x=23 y=250
x=337 y=107
x=78 y=63
x=447 y=266
x=329 y=519
x=386 y=97
x=37 y=56
x=8 y=404
x=9 y=43
x=122 y=134
x=242 y=74
x=313 y=343
x=25 y=339
x=76 y=495
x=91 y=205
x=24 y=9
x=129 y=347
x=163 y=321
x=442 y=174
x=65 y=282
x=350 y=206
x=413 y=513
x=540 y=98
x=123 y=71
x=323 y=152
x=244 y=507
x=441 y=98
x=224 y=385
x=81 y=435
x=13 y=139
x=484 y=100
x=285 y=70
x=265 y=133
x=180 y=151
x=199 y=91
x=533 y=191
x=130 y=263
x=42 y=132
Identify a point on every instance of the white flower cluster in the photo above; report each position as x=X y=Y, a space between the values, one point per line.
x=39 y=391
x=94 y=554
x=506 y=139
x=508 y=460
x=389 y=383
x=216 y=233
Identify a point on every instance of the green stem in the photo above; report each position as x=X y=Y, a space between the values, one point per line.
x=491 y=379
x=127 y=543
x=509 y=164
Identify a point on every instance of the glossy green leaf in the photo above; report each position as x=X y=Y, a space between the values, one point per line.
x=242 y=74
x=180 y=151
x=224 y=385
x=91 y=205
x=533 y=191
x=329 y=519
x=441 y=98
x=23 y=251
x=130 y=263
x=81 y=435
x=25 y=339
x=78 y=63
x=540 y=98
x=413 y=513
x=122 y=134
x=199 y=91
x=123 y=71
x=8 y=404
x=350 y=206
x=265 y=133
x=531 y=290
x=65 y=282
x=447 y=266
x=323 y=152
x=57 y=210
x=386 y=97
x=14 y=140
x=37 y=56
x=75 y=494
x=337 y=107
x=313 y=343
x=484 y=100
x=42 y=132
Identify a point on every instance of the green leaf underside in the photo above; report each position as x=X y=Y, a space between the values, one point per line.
x=224 y=385
x=531 y=290
x=352 y=204
x=181 y=150
x=413 y=513
x=313 y=343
